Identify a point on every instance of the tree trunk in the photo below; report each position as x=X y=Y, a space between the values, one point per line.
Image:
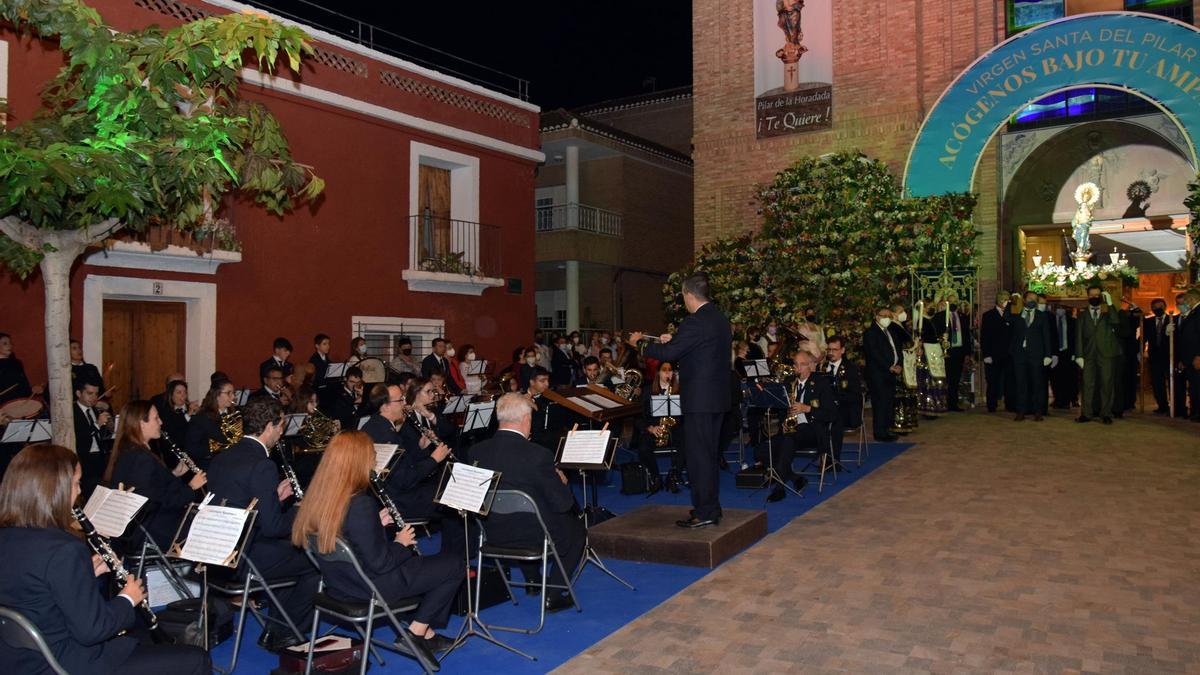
x=56 y=277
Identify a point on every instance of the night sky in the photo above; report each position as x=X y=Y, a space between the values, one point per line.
x=572 y=52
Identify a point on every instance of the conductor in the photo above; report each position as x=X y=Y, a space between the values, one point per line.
x=701 y=348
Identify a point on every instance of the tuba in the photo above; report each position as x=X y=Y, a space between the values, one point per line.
x=318 y=429
x=230 y=425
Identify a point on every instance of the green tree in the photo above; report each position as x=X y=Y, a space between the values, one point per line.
x=137 y=129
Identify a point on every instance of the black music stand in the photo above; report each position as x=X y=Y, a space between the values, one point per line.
x=472 y=625
x=27 y=431
x=771 y=396
x=479 y=418
x=602 y=464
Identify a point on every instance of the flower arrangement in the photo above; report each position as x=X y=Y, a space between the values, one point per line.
x=1052 y=279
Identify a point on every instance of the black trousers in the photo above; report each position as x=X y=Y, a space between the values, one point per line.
x=954 y=372
x=296 y=600
x=644 y=445
x=1030 y=379
x=997 y=374
x=1193 y=381
x=1064 y=380
x=882 y=387
x=569 y=536
x=151 y=659
x=1160 y=375
x=701 y=435
x=436 y=579
x=806 y=437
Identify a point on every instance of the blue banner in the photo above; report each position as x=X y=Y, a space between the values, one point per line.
x=1155 y=57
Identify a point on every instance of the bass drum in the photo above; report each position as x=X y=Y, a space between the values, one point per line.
x=21 y=409
x=374 y=370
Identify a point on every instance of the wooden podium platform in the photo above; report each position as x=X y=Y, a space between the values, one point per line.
x=649 y=534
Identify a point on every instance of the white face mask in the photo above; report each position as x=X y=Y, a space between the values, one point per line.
x=450 y=352
x=565 y=347
x=884 y=322
x=901 y=317
x=531 y=361
x=1041 y=306
x=362 y=349
x=580 y=349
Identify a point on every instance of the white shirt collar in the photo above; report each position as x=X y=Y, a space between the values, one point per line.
x=83 y=407
x=266 y=450
x=834 y=365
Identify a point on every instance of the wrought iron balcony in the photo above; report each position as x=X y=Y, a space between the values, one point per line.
x=450 y=246
x=578 y=217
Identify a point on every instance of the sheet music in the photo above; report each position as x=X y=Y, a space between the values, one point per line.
x=585 y=447
x=586 y=405
x=467 y=487
x=241 y=396
x=476 y=367
x=479 y=416
x=602 y=401
x=757 y=368
x=383 y=455
x=336 y=370
x=294 y=422
x=26 y=431
x=659 y=405
x=111 y=510
x=456 y=404
x=215 y=533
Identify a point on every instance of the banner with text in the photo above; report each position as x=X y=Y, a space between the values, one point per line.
x=793 y=66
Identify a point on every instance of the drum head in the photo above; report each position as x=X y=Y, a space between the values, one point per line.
x=21 y=408
x=374 y=371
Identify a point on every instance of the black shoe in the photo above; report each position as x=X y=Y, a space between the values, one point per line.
x=653 y=485
x=800 y=482
x=423 y=648
x=723 y=463
x=1083 y=418
x=777 y=494
x=438 y=643
x=695 y=523
x=1106 y=420
x=277 y=643
x=558 y=602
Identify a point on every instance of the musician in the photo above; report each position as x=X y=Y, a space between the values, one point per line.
x=955 y=327
x=413 y=481
x=281 y=352
x=701 y=348
x=320 y=358
x=344 y=403
x=134 y=465
x=204 y=428
x=562 y=372
x=390 y=410
x=52 y=581
x=647 y=428
x=272 y=384
x=358 y=351
x=528 y=366
x=549 y=419
x=592 y=373
x=771 y=341
x=452 y=373
x=472 y=384
x=81 y=368
x=846 y=382
x=339 y=504
x=93 y=436
x=544 y=350
x=175 y=411
x=246 y=472
x=529 y=467
x=404 y=361
x=815 y=412
x=13 y=383
x=883 y=361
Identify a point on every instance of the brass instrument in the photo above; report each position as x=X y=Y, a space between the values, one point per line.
x=792 y=422
x=318 y=429
x=631 y=388
x=663 y=438
x=103 y=549
x=230 y=426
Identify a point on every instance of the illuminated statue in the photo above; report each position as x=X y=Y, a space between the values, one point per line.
x=1086 y=196
x=789 y=22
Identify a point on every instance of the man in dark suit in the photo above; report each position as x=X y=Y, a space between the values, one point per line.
x=345 y=402
x=1187 y=353
x=382 y=427
x=436 y=361
x=93 y=437
x=549 y=418
x=246 y=472
x=528 y=467
x=82 y=370
x=1097 y=347
x=956 y=327
x=883 y=364
x=272 y=383
x=846 y=382
x=1029 y=349
x=814 y=410
x=701 y=347
x=1064 y=374
x=1158 y=352
x=281 y=351
x=562 y=367
x=320 y=359
x=993 y=347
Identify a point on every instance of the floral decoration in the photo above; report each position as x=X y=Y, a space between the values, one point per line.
x=1051 y=279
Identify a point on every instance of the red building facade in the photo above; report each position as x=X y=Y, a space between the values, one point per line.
x=425 y=227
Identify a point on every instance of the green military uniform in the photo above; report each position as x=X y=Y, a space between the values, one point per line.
x=1096 y=341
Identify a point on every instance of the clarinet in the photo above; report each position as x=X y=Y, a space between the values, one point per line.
x=290 y=474
x=415 y=420
x=182 y=456
x=102 y=548
x=384 y=498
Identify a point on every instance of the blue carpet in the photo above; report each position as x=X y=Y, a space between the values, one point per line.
x=608 y=606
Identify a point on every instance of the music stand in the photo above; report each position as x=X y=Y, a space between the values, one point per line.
x=293 y=423
x=600 y=462
x=26 y=431
x=473 y=494
x=479 y=416
x=771 y=396
x=232 y=561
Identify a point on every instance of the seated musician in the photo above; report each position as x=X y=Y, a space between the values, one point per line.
x=846 y=381
x=272 y=383
x=358 y=351
x=339 y=503
x=175 y=410
x=52 y=581
x=549 y=419
x=13 y=382
x=390 y=409
x=647 y=429
x=320 y=358
x=528 y=467
x=814 y=408
x=93 y=433
x=414 y=479
x=246 y=472
x=135 y=466
x=81 y=369
x=281 y=351
x=345 y=403
x=204 y=429
x=592 y=373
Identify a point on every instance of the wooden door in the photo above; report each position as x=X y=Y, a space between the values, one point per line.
x=434 y=194
x=145 y=342
x=1048 y=244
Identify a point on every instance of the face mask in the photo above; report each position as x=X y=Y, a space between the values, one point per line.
x=1041 y=306
x=902 y=317
x=362 y=349
x=580 y=349
x=954 y=307
x=1030 y=304
x=1094 y=302
x=564 y=347
x=1159 y=311
x=1184 y=308
x=450 y=352
x=603 y=341
x=406 y=351
x=1060 y=311
x=771 y=330
x=884 y=322
x=531 y=361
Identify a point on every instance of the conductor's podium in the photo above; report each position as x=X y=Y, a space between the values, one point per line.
x=649 y=534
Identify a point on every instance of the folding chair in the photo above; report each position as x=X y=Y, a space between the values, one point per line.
x=254 y=582
x=861 y=450
x=825 y=458
x=361 y=612
x=509 y=502
x=19 y=633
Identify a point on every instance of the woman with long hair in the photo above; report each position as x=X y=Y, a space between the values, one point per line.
x=339 y=503
x=413 y=481
x=50 y=578
x=204 y=429
x=648 y=428
x=133 y=464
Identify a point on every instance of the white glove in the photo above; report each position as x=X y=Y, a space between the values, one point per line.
x=987 y=360
x=1046 y=360
x=1053 y=361
x=1079 y=361
x=1107 y=297
x=1170 y=329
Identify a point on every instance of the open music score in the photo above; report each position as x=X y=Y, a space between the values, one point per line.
x=757 y=368
x=662 y=405
x=384 y=452
x=585 y=448
x=111 y=510
x=456 y=404
x=479 y=416
x=294 y=422
x=467 y=488
x=26 y=431
x=597 y=399
x=336 y=371
x=215 y=534
x=585 y=404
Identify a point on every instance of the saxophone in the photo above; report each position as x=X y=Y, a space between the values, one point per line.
x=663 y=438
x=792 y=422
x=318 y=429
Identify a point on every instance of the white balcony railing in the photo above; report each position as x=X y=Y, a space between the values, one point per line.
x=578 y=217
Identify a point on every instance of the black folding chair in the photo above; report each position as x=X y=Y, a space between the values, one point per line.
x=19 y=633
x=253 y=583
x=361 y=614
x=509 y=502
x=821 y=458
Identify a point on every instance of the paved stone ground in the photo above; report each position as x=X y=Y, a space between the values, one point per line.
x=992 y=546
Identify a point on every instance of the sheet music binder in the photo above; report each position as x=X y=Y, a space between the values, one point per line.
x=662 y=405
x=180 y=538
x=448 y=475
x=609 y=453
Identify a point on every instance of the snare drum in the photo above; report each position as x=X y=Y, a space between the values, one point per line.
x=22 y=408
x=374 y=370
